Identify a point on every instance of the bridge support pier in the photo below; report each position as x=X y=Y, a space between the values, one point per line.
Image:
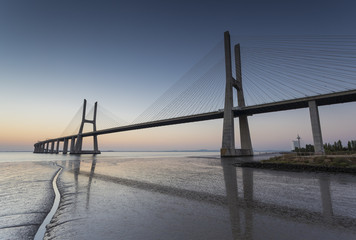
x=228 y=141
x=79 y=144
x=96 y=147
x=76 y=144
x=316 y=128
x=36 y=150
x=46 y=150
x=77 y=149
x=245 y=138
x=57 y=146
x=65 y=146
x=72 y=145
x=40 y=147
x=52 y=147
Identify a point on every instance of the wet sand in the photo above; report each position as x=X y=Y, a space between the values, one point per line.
x=199 y=198
x=111 y=197
x=26 y=196
x=140 y=199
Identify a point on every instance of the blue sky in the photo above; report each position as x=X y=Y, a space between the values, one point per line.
x=125 y=54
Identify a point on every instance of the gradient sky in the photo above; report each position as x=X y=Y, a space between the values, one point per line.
x=125 y=54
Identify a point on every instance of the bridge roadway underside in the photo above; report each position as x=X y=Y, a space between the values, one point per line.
x=321 y=100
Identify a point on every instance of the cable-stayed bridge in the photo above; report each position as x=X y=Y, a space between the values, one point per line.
x=272 y=73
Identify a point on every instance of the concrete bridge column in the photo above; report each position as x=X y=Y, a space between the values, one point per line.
x=65 y=146
x=76 y=141
x=72 y=145
x=316 y=128
x=52 y=147
x=47 y=145
x=245 y=137
x=95 y=137
x=57 y=147
x=79 y=144
x=228 y=141
x=96 y=148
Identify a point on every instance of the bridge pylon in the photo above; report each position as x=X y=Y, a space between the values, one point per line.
x=77 y=148
x=228 y=139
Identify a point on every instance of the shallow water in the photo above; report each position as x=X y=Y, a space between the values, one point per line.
x=123 y=196
x=26 y=196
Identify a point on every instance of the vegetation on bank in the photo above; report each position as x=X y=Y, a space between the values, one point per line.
x=330 y=161
x=335 y=148
x=337 y=158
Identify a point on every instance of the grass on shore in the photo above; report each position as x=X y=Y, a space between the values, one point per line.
x=342 y=161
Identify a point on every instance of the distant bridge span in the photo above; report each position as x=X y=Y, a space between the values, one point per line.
x=327 y=99
x=321 y=100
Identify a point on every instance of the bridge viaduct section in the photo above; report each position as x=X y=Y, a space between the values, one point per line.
x=320 y=100
x=228 y=114
x=76 y=140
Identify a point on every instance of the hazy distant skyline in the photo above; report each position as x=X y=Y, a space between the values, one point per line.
x=125 y=54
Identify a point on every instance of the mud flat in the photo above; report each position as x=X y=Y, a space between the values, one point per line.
x=173 y=197
x=198 y=198
x=26 y=197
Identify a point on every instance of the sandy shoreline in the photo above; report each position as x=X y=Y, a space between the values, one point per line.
x=43 y=227
x=26 y=196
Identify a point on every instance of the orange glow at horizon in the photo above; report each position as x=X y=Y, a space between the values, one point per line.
x=268 y=131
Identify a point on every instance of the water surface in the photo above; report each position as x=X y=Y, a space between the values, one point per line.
x=192 y=196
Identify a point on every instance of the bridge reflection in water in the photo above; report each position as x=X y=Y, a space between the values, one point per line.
x=256 y=209
x=242 y=210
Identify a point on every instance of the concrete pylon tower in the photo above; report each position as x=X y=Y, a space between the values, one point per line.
x=79 y=142
x=228 y=141
x=245 y=137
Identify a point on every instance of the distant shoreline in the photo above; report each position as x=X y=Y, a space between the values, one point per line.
x=203 y=150
x=163 y=151
x=199 y=150
x=325 y=163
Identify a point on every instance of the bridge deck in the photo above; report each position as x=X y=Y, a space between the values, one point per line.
x=321 y=100
x=326 y=99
